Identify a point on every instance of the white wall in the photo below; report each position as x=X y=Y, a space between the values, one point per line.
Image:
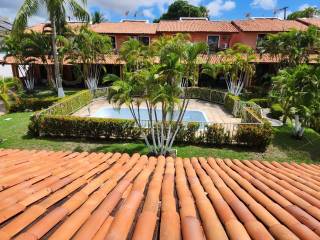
x=5 y=70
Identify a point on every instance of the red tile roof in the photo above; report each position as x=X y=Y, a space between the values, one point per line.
x=125 y=28
x=268 y=25
x=64 y=195
x=310 y=21
x=40 y=27
x=196 y=26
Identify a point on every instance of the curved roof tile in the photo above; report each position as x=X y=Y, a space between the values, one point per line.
x=64 y=195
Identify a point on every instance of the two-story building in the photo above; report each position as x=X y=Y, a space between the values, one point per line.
x=219 y=35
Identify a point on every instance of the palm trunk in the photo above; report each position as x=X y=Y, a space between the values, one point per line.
x=56 y=60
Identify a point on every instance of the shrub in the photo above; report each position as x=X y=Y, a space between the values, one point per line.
x=207 y=94
x=215 y=134
x=33 y=104
x=72 y=126
x=276 y=111
x=230 y=102
x=262 y=102
x=257 y=136
x=70 y=104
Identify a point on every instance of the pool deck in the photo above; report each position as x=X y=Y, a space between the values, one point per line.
x=214 y=112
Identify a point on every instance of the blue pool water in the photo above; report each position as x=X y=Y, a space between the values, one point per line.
x=124 y=113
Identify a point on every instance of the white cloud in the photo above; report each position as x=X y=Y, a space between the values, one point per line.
x=9 y=9
x=148 y=13
x=265 y=4
x=216 y=7
x=304 y=6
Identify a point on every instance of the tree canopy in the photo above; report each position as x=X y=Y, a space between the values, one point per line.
x=97 y=17
x=293 y=47
x=182 y=8
x=160 y=87
x=305 y=13
x=297 y=91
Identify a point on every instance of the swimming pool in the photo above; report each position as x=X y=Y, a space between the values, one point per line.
x=124 y=113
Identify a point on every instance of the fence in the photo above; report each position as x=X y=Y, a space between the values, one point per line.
x=56 y=121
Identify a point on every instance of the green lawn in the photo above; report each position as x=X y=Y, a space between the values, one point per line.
x=13 y=131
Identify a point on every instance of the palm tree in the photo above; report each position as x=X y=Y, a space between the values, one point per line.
x=38 y=45
x=56 y=10
x=97 y=17
x=236 y=66
x=161 y=87
x=4 y=93
x=89 y=48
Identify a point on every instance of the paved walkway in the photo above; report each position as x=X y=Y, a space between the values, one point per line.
x=214 y=112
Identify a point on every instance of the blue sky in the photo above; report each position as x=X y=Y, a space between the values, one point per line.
x=114 y=10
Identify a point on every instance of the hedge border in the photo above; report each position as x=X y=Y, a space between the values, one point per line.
x=54 y=122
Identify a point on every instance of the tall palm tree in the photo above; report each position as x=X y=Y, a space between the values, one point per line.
x=97 y=17
x=56 y=10
x=4 y=93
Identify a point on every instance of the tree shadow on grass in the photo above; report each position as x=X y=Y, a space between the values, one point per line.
x=308 y=145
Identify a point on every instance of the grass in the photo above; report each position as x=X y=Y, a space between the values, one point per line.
x=45 y=93
x=13 y=131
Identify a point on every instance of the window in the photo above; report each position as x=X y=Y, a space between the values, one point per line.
x=113 y=41
x=213 y=42
x=260 y=38
x=145 y=40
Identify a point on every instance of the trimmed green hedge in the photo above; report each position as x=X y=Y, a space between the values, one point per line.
x=70 y=104
x=276 y=111
x=33 y=104
x=230 y=101
x=262 y=102
x=257 y=136
x=253 y=135
x=207 y=94
x=72 y=126
x=57 y=122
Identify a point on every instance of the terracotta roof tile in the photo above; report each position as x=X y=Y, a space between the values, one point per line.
x=64 y=195
x=310 y=21
x=268 y=25
x=196 y=26
x=125 y=28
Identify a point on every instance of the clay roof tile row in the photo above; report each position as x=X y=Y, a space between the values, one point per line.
x=64 y=195
x=195 y=25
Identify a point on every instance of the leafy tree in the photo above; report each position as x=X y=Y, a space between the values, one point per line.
x=297 y=90
x=16 y=46
x=236 y=66
x=89 y=48
x=182 y=8
x=293 y=47
x=4 y=93
x=305 y=13
x=56 y=10
x=160 y=87
x=97 y=17
x=38 y=45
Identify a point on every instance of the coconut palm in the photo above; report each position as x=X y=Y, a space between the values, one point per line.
x=89 y=48
x=97 y=17
x=4 y=93
x=56 y=10
x=161 y=87
x=293 y=47
x=38 y=45
x=236 y=66
x=297 y=90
